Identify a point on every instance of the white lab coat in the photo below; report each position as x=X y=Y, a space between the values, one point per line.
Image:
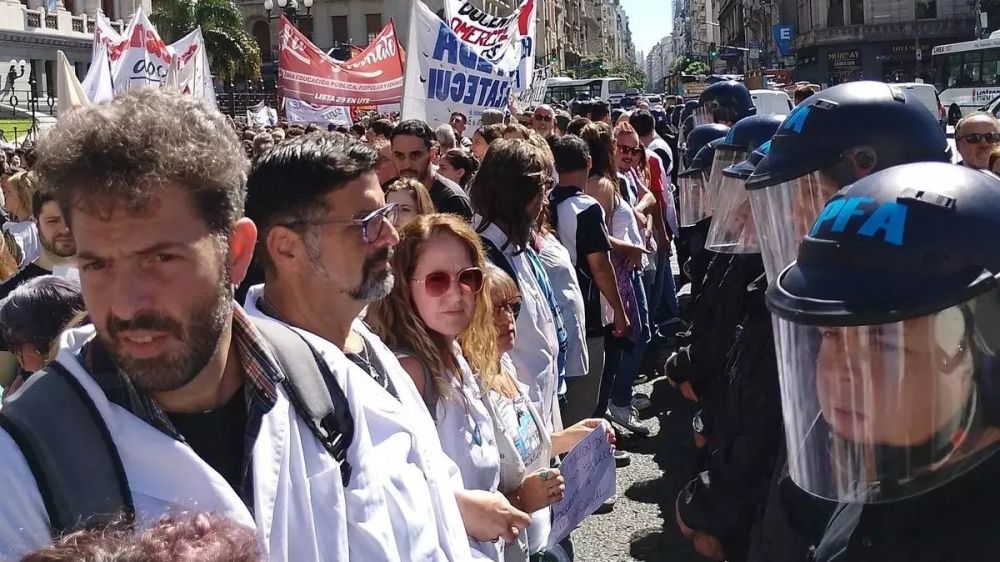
x=400 y=503
x=299 y=498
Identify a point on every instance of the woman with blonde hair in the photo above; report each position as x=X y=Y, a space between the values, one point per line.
x=526 y=449
x=20 y=243
x=411 y=198
x=439 y=322
x=17 y=191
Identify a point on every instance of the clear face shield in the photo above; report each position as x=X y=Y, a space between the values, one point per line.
x=784 y=213
x=703 y=116
x=724 y=158
x=733 y=230
x=693 y=199
x=884 y=412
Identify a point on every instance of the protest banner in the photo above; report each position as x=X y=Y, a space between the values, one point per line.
x=506 y=41
x=308 y=74
x=297 y=111
x=446 y=75
x=99 y=82
x=261 y=115
x=145 y=59
x=589 y=471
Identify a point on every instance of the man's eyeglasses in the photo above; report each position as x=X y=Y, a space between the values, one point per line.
x=976 y=138
x=543 y=118
x=633 y=150
x=371 y=225
x=437 y=283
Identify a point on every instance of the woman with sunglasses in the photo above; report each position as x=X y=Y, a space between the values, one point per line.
x=526 y=450
x=440 y=324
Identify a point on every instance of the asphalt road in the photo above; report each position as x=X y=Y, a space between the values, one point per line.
x=641 y=526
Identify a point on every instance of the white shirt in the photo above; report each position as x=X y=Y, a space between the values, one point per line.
x=467 y=437
x=536 y=347
x=562 y=274
x=25 y=234
x=400 y=503
x=299 y=510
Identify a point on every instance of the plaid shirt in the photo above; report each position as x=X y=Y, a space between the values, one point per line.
x=262 y=377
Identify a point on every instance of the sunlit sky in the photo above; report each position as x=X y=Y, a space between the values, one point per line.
x=649 y=20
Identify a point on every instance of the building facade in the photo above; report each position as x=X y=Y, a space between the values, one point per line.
x=888 y=40
x=30 y=37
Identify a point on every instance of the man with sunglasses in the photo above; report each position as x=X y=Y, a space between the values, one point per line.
x=325 y=241
x=976 y=137
x=543 y=121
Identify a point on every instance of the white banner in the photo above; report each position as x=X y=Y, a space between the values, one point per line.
x=445 y=75
x=261 y=115
x=506 y=41
x=301 y=112
x=99 y=83
x=189 y=67
x=69 y=91
x=146 y=58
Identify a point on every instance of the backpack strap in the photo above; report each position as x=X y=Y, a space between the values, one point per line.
x=70 y=452
x=313 y=390
x=498 y=258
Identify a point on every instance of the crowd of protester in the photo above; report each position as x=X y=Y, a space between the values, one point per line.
x=491 y=294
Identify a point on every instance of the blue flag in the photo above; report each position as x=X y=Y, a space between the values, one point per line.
x=783 y=36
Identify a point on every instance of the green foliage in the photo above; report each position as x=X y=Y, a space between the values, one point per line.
x=231 y=49
x=697 y=67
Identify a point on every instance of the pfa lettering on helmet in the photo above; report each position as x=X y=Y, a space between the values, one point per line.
x=863 y=217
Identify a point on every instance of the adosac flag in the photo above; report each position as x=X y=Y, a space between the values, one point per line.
x=446 y=75
x=308 y=74
x=508 y=42
x=145 y=59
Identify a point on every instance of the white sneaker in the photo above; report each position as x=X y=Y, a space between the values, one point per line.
x=627 y=418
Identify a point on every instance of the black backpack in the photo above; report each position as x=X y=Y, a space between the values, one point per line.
x=95 y=491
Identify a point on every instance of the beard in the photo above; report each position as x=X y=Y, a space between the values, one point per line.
x=199 y=333
x=375 y=285
x=52 y=247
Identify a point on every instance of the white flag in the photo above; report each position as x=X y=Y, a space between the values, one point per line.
x=99 y=83
x=69 y=91
x=189 y=71
x=506 y=41
x=146 y=58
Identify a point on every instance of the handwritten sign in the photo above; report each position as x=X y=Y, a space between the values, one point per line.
x=589 y=470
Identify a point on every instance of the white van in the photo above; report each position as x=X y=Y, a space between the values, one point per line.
x=927 y=95
x=771 y=102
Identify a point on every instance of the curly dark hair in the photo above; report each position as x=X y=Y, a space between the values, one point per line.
x=122 y=153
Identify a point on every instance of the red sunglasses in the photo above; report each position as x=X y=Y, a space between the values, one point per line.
x=437 y=283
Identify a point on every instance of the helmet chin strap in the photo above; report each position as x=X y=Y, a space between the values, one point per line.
x=898 y=465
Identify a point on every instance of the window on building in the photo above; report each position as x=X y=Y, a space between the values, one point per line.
x=805 y=15
x=305 y=25
x=262 y=34
x=857 y=12
x=108 y=7
x=835 y=17
x=926 y=9
x=70 y=6
x=373 y=25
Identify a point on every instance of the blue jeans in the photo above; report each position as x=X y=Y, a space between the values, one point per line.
x=628 y=369
x=664 y=312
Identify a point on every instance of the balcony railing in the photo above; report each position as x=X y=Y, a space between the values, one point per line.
x=51 y=21
x=33 y=18
x=939 y=28
x=78 y=23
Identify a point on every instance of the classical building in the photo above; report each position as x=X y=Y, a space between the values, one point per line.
x=30 y=37
x=888 y=40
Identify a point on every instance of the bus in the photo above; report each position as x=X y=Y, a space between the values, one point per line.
x=567 y=89
x=967 y=75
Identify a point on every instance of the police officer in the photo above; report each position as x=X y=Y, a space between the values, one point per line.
x=724 y=102
x=833 y=139
x=888 y=330
x=691 y=238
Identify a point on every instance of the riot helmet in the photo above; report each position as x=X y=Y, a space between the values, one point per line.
x=725 y=102
x=743 y=138
x=887 y=332
x=693 y=186
x=733 y=228
x=699 y=137
x=830 y=140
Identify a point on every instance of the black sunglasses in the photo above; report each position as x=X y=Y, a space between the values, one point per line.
x=976 y=138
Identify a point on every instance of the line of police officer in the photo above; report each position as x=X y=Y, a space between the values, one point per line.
x=844 y=332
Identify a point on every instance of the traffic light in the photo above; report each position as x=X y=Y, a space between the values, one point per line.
x=713 y=51
x=554 y=58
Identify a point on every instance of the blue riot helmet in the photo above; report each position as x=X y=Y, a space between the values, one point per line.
x=733 y=228
x=887 y=331
x=725 y=102
x=743 y=138
x=693 y=186
x=699 y=137
x=830 y=140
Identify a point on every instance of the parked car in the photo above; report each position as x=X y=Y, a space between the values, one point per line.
x=927 y=94
x=771 y=102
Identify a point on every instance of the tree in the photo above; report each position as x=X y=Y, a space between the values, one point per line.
x=231 y=49
x=634 y=78
x=697 y=67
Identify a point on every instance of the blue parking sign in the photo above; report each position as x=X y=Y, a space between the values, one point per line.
x=783 y=35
